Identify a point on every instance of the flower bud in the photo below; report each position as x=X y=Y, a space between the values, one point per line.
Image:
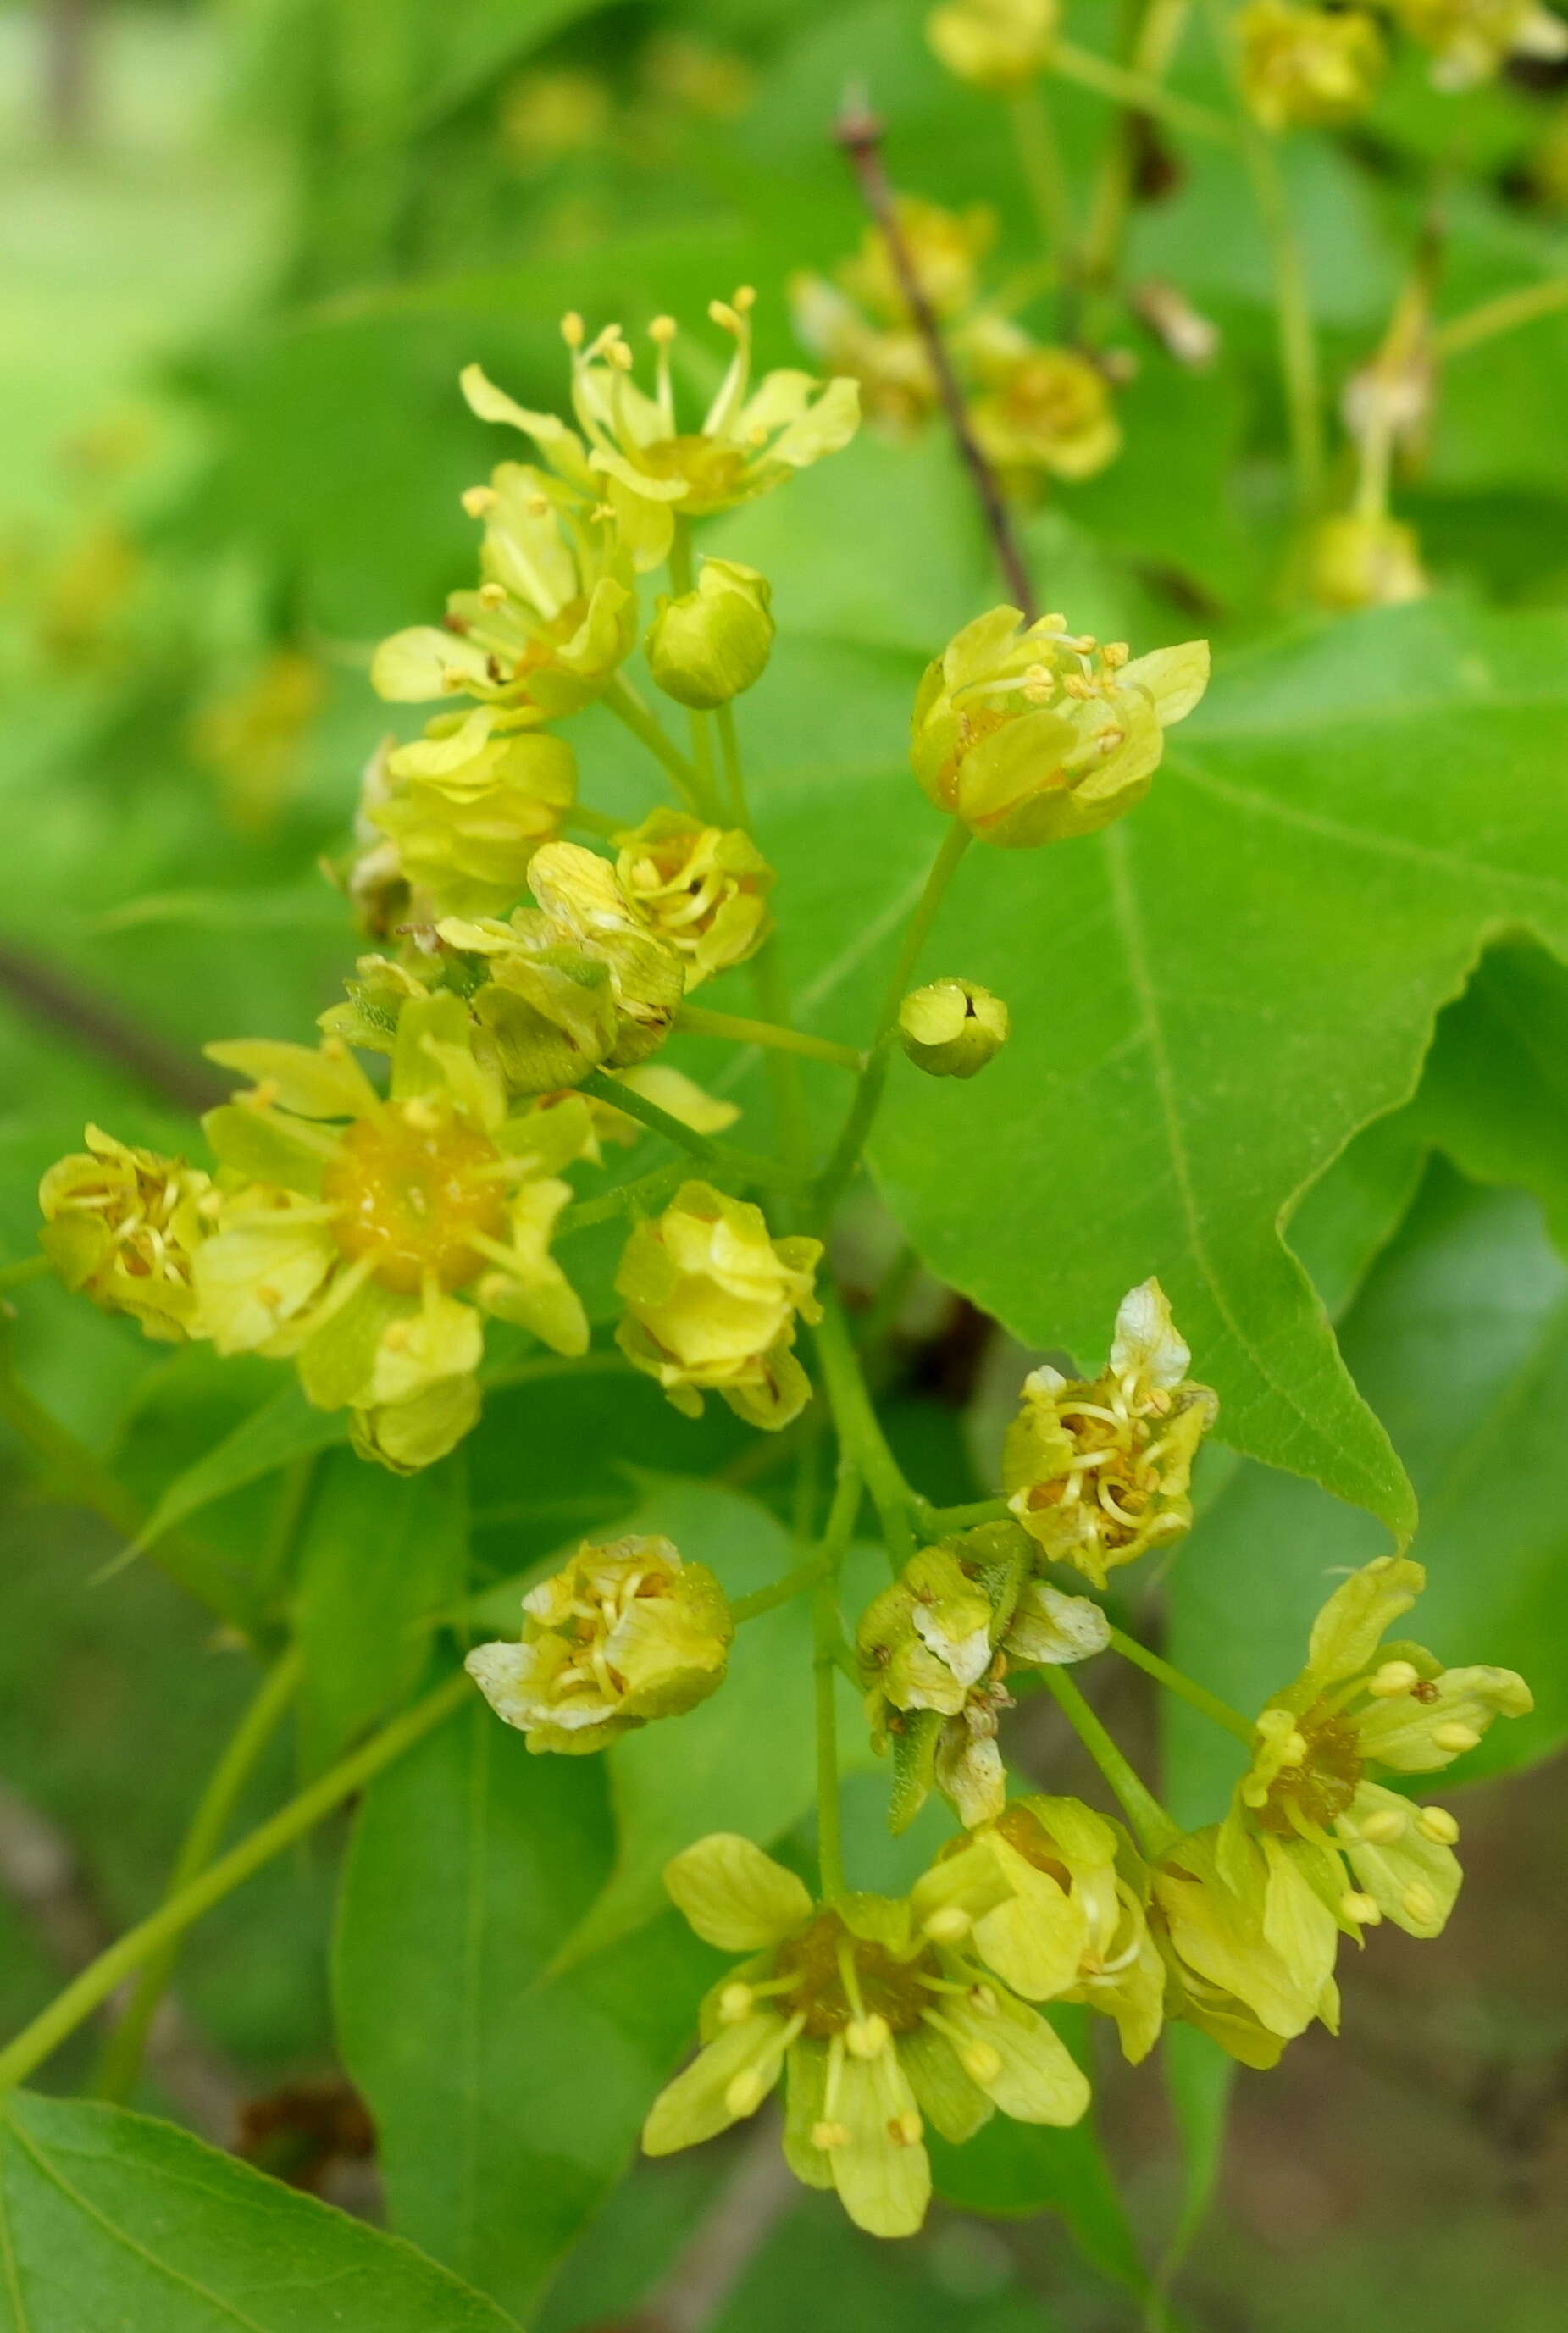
x=952 y=1028
x=702 y=889
x=998 y=45
x=626 y=1633
x=1030 y=734
x=711 y=644
x=1306 y=67
x=1365 y=562
x=711 y=1304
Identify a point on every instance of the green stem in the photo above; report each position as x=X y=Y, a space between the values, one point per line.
x=702 y=1022
x=1502 y=314
x=1152 y=1825
x=780 y=1591
x=132 y=1951
x=935 y=1523
x=628 y=709
x=17 y=1275
x=644 y=1196
x=1298 y=354
x=1186 y=1688
x=544 y=1367
x=1140 y=93
x=874 y=1076
x=826 y=1648
x=718 y=1155
x=1040 y=161
x=121 y=2060
x=860 y=1431
x=734 y=777
x=1153 y=46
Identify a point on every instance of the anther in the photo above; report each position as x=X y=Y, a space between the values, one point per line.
x=1361 y=1908
x=571 y=329
x=982 y=1999
x=1454 y=1737
x=736 y=2004
x=1293 y=1750
x=828 y=2135
x=617 y=353
x=950 y=1925
x=662 y=331
x=1437 y=1823
x=478 y=500
x=980 y=2061
x=745 y=298
x=720 y=313
x=866 y=2037
x=1394 y=1677
x=1386 y=1824
x=1419 y=1902
x=904 y=2129
x=492 y=595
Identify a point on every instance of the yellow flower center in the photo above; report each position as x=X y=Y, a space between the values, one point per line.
x=894 y=1990
x=715 y=473
x=1322 y=1784
x=413 y=1189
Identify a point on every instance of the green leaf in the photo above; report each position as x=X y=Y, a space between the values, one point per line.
x=1349 y=816
x=379 y=1555
x=109 y=2219
x=508 y=2103
x=1494 y=1095
x=284 y=1428
x=1198 y=2082
x=1461 y=1337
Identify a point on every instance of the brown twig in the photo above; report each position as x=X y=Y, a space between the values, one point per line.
x=860 y=133
x=84 y=1020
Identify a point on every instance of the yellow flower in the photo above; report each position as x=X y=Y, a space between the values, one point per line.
x=881 y=2026
x=933 y=1650
x=579 y=981
x=711 y=1305
x=1369 y=561
x=251 y=737
x=1307 y=67
x=465 y=808
x=703 y=888
x=1098 y=1470
x=625 y=1633
x=1031 y=735
x=555 y=615
x=945 y=248
x=1250 y=1966
x=124 y=1226
x=633 y=452
x=892 y=367
x=1308 y=1803
x=999 y=45
x=1056 y=1894
x=1038 y=408
x=1470 y=39
x=365 y=1238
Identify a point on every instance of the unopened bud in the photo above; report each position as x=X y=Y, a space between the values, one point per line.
x=709 y=644
x=952 y=1028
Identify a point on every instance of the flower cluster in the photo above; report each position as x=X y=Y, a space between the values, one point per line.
x=1036 y=411
x=1303 y=67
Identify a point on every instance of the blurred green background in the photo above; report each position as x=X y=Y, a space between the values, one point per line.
x=244 y=248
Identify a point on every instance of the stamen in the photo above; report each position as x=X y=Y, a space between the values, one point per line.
x=1437 y=1823
x=478 y=500
x=571 y=329
x=1419 y=1902
x=904 y=2129
x=1394 y=1678
x=1385 y=1825
x=826 y=2135
x=868 y=2037
x=736 y=2004
x=948 y=1926
x=1454 y=1737
x=1360 y=1909
x=744 y=2093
